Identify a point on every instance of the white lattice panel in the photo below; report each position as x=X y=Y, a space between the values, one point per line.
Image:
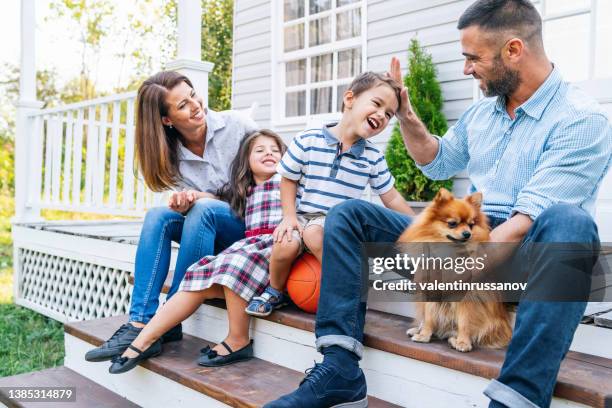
x=72 y=288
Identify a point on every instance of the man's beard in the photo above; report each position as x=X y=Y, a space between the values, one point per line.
x=505 y=80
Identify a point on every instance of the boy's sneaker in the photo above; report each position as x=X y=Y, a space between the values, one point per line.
x=333 y=383
x=267 y=302
x=115 y=345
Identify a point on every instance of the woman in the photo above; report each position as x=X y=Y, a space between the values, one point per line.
x=185 y=147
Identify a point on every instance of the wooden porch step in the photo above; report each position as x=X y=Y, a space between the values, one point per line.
x=246 y=384
x=583 y=378
x=88 y=393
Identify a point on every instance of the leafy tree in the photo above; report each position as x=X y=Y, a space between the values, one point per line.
x=93 y=17
x=46 y=90
x=7 y=160
x=426 y=99
x=97 y=22
x=141 y=35
x=217 y=37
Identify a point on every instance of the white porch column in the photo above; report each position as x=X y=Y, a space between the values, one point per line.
x=27 y=103
x=188 y=60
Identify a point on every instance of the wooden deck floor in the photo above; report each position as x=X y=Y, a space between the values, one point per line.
x=110 y=230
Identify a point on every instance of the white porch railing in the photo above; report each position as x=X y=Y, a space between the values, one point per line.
x=82 y=158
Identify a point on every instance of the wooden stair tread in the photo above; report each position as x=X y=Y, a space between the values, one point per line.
x=582 y=378
x=246 y=384
x=88 y=393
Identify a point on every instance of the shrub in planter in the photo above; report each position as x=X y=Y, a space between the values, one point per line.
x=426 y=99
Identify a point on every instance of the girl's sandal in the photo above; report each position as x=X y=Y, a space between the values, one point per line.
x=266 y=303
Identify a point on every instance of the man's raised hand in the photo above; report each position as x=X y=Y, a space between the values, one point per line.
x=405 y=108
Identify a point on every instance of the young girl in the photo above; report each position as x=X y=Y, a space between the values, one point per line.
x=236 y=274
x=326 y=166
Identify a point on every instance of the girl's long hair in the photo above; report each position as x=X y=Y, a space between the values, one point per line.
x=241 y=178
x=156 y=144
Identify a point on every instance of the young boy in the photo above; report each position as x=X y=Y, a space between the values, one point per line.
x=324 y=167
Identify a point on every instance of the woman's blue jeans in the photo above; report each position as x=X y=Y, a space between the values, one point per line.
x=543 y=331
x=209 y=227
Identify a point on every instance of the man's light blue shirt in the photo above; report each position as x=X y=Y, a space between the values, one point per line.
x=556 y=150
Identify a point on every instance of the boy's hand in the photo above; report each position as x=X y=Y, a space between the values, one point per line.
x=405 y=109
x=182 y=201
x=287 y=225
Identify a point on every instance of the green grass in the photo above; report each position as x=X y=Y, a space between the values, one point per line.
x=6 y=249
x=29 y=341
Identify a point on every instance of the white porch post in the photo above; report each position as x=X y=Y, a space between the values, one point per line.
x=27 y=103
x=188 y=60
x=24 y=126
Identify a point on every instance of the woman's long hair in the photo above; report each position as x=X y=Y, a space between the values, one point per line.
x=156 y=144
x=241 y=178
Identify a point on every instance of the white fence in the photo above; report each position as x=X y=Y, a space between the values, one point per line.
x=82 y=158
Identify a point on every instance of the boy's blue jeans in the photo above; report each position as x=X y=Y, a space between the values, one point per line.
x=543 y=331
x=208 y=228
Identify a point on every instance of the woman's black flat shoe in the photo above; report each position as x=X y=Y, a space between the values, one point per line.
x=210 y=358
x=123 y=364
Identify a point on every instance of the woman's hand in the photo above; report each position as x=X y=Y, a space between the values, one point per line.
x=182 y=201
x=287 y=225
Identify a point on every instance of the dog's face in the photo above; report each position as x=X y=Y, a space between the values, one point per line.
x=457 y=220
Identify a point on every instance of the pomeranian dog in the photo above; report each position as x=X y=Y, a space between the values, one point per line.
x=476 y=320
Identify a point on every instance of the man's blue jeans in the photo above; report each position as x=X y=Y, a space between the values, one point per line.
x=543 y=332
x=208 y=228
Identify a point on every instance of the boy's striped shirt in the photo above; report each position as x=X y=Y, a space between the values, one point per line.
x=327 y=177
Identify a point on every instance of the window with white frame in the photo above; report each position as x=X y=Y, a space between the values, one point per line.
x=578 y=37
x=321 y=50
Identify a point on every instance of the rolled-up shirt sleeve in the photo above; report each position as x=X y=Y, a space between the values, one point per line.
x=293 y=161
x=452 y=156
x=576 y=158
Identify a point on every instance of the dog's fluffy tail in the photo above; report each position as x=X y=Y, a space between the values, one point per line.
x=498 y=331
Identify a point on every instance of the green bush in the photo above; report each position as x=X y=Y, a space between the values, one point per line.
x=217 y=43
x=426 y=99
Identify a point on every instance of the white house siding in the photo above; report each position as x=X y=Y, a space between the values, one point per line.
x=391 y=25
x=252 y=71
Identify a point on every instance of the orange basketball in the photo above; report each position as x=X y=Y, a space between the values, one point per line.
x=304 y=283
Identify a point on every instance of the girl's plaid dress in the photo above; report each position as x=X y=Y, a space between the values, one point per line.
x=243 y=267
